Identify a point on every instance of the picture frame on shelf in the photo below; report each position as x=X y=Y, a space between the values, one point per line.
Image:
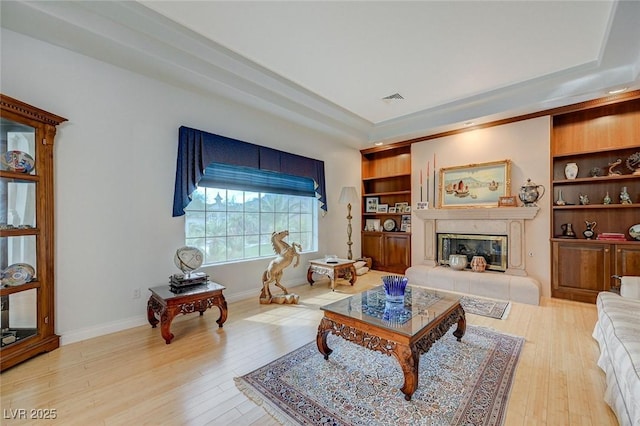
x=407 y=209
x=474 y=185
x=405 y=227
x=508 y=201
x=392 y=210
x=372 y=225
x=371 y=204
x=383 y=208
x=400 y=207
x=406 y=218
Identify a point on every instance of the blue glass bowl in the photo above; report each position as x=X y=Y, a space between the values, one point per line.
x=394 y=287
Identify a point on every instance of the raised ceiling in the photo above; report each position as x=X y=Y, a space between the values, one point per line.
x=327 y=65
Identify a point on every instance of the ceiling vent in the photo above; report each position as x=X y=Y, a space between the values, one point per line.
x=391 y=98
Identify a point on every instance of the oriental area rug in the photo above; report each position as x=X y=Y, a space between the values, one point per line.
x=460 y=383
x=486 y=307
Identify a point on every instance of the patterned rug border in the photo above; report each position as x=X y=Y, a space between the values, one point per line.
x=495 y=415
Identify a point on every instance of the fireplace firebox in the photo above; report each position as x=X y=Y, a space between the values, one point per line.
x=492 y=247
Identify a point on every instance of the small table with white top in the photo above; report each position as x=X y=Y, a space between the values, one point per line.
x=334 y=268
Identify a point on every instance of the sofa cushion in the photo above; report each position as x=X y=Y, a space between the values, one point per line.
x=618 y=334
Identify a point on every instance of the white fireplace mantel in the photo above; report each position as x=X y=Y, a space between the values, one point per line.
x=507 y=221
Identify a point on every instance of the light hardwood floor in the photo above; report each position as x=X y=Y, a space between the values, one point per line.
x=133 y=378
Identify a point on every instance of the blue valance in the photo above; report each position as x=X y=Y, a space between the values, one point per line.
x=198 y=149
x=219 y=175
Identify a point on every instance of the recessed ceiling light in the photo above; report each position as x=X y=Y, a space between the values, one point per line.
x=616 y=91
x=378 y=143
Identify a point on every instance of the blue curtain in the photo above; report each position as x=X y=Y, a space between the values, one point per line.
x=197 y=150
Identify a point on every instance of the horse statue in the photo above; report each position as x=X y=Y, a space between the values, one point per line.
x=285 y=255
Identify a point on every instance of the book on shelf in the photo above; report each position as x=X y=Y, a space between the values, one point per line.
x=611 y=236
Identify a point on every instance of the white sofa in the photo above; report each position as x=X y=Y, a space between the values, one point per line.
x=618 y=334
x=494 y=285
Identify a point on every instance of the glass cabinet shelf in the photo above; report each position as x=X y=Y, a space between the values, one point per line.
x=18 y=316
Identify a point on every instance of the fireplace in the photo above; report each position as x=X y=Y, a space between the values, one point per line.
x=503 y=221
x=492 y=247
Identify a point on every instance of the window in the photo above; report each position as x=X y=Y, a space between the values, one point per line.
x=230 y=225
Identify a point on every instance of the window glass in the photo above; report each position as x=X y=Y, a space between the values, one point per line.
x=231 y=225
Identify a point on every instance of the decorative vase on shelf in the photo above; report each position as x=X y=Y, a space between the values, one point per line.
x=589 y=232
x=607 y=199
x=561 y=201
x=478 y=264
x=458 y=261
x=571 y=170
x=530 y=193
x=624 y=196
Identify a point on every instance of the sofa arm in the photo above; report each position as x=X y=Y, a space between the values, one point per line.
x=630 y=287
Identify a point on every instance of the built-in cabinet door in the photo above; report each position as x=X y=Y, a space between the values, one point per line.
x=627 y=260
x=580 y=270
x=372 y=246
x=397 y=252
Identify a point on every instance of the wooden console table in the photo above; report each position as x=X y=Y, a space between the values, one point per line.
x=167 y=304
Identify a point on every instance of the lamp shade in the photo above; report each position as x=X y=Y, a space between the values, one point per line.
x=348 y=195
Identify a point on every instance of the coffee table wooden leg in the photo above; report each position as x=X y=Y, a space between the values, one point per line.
x=321 y=338
x=409 y=360
x=462 y=327
x=310 y=275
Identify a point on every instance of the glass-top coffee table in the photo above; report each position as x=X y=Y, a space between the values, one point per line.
x=404 y=330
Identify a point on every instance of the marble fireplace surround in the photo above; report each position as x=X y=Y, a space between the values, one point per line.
x=507 y=221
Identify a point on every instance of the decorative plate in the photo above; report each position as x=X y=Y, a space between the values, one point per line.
x=18 y=161
x=17 y=274
x=634 y=231
x=389 y=225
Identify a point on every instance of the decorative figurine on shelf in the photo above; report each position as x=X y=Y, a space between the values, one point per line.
x=612 y=166
x=567 y=230
x=584 y=199
x=633 y=163
x=560 y=201
x=276 y=267
x=595 y=172
x=624 y=196
x=607 y=199
x=589 y=232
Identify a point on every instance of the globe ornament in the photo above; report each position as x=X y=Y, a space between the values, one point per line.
x=188 y=259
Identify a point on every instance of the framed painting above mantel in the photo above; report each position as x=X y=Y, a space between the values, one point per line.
x=475 y=185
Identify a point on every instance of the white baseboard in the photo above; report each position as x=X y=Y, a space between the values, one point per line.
x=102 y=329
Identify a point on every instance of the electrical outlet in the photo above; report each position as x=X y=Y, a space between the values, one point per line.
x=136 y=293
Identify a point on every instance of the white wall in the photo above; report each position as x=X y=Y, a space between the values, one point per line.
x=115 y=168
x=526 y=144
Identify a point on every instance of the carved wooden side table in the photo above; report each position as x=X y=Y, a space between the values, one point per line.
x=336 y=268
x=167 y=304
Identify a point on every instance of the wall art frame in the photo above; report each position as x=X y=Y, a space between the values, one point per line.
x=474 y=185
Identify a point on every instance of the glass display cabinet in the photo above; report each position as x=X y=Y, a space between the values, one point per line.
x=26 y=231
